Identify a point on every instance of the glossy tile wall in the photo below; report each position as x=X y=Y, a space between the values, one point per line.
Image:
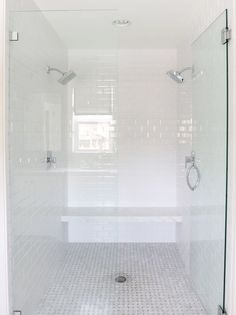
x=146 y=123
x=140 y=168
x=92 y=143
x=36 y=192
x=184 y=148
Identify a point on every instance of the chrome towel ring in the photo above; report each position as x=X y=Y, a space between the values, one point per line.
x=193 y=167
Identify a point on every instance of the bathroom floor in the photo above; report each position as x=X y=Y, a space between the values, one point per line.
x=156 y=282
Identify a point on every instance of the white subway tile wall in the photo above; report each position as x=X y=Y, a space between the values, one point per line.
x=184 y=148
x=140 y=168
x=92 y=144
x=118 y=229
x=36 y=193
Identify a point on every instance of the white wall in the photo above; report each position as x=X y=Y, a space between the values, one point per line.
x=146 y=124
x=4 y=250
x=184 y=148
x=140 y=170
x=36 y=193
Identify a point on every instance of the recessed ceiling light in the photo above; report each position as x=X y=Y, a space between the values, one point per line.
x=121 y=23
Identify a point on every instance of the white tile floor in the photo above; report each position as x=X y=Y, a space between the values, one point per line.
x=156 y=282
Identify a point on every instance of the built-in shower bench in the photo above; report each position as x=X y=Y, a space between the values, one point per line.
x=121 y=225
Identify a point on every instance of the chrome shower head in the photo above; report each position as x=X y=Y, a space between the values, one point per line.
x=66 y=76
x=177 y=75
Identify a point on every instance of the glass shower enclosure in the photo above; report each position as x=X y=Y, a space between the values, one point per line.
x=76 y=126
x=210 y=145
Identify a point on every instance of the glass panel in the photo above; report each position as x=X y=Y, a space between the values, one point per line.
x=74 y=125
x=208 y=212
x=93 y=166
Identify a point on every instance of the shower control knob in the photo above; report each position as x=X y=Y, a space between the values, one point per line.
x=50 y=159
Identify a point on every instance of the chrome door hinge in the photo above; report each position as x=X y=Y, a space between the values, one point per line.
x=13 y=36
x=226 y=35
x=221 y=311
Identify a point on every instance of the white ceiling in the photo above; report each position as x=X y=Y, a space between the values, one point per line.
x=155 y=23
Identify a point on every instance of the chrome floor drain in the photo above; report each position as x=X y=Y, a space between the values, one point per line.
x=120 y=279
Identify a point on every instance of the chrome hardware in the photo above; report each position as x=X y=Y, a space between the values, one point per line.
x=195 y=186
x=221 y=311
x=13 y=36
x=50 y=159
x=17 y=313
x=190 y=159
x=193 y=167
x=226 y=35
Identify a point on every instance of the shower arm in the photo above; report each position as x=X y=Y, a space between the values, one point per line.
x=185 y=69
x=54 y=69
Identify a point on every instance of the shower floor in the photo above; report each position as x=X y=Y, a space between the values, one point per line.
x=156 y=282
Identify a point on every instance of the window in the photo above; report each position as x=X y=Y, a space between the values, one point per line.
x=92 y=133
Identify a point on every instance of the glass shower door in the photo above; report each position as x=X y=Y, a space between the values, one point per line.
x=210 y=145
x=76 y=124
